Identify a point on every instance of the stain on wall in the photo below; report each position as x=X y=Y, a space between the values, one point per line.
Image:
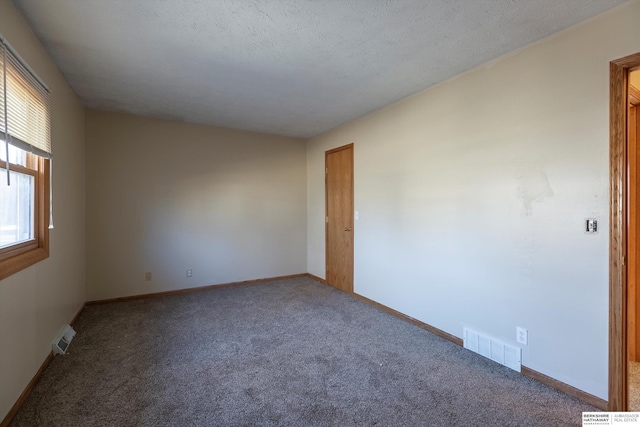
x=533 y=186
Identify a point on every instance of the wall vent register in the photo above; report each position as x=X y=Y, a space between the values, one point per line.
x=491 y=348
x=61 y=343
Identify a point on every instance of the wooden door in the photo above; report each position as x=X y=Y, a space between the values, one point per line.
x=339 y=217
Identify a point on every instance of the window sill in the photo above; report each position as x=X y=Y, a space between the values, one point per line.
x=20 y=262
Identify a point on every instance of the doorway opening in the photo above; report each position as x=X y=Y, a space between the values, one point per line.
x=633 y=241
x=619 y=227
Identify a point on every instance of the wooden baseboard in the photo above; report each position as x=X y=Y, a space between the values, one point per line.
x=197 y=289
x=540 y=377
x=75 y=318
x=565 y=388
x=27 y=391
x=551 y=382
x=432 y=329
x=316 y=278
x=29 y=388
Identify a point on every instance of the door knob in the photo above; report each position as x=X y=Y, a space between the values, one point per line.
x=347 y=229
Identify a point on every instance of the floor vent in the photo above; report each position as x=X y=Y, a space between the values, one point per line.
x=61 y=343
x=504 y=354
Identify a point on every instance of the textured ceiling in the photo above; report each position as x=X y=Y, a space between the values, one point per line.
x=289 y=67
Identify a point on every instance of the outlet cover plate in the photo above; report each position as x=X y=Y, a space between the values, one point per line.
x=522 y=335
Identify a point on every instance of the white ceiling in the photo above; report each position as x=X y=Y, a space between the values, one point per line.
x=288 y=67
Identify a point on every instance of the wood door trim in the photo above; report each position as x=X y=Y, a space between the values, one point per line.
x=326 y=204
x=632 y=236
x=335 y=150
x=634 y=95
x=618 y=162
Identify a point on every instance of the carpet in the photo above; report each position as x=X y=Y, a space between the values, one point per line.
x=282 y=353
x=634 y=386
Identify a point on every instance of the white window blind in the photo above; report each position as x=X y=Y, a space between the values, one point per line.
x=25 y=108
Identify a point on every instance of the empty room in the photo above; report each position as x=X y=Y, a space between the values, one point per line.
x=318 y=212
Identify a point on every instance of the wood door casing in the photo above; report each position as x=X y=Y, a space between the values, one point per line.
x=633 y=231
x=339 y=217
x=619 y=70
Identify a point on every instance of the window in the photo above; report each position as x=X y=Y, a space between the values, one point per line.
x=25 y=153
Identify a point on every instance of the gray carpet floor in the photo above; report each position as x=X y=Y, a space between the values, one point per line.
x=282 y=353
x=634 y=386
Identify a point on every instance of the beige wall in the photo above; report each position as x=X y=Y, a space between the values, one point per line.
x=472 y=197
x=165 y=197
x=37 y=302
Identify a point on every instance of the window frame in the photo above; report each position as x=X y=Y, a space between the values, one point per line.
x=24 y=254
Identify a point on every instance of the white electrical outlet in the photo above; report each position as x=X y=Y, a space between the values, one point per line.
x=189 y=273
x=522 y=335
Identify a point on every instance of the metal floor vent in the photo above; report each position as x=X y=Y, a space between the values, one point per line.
x=61 y=343
x=504 y=354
